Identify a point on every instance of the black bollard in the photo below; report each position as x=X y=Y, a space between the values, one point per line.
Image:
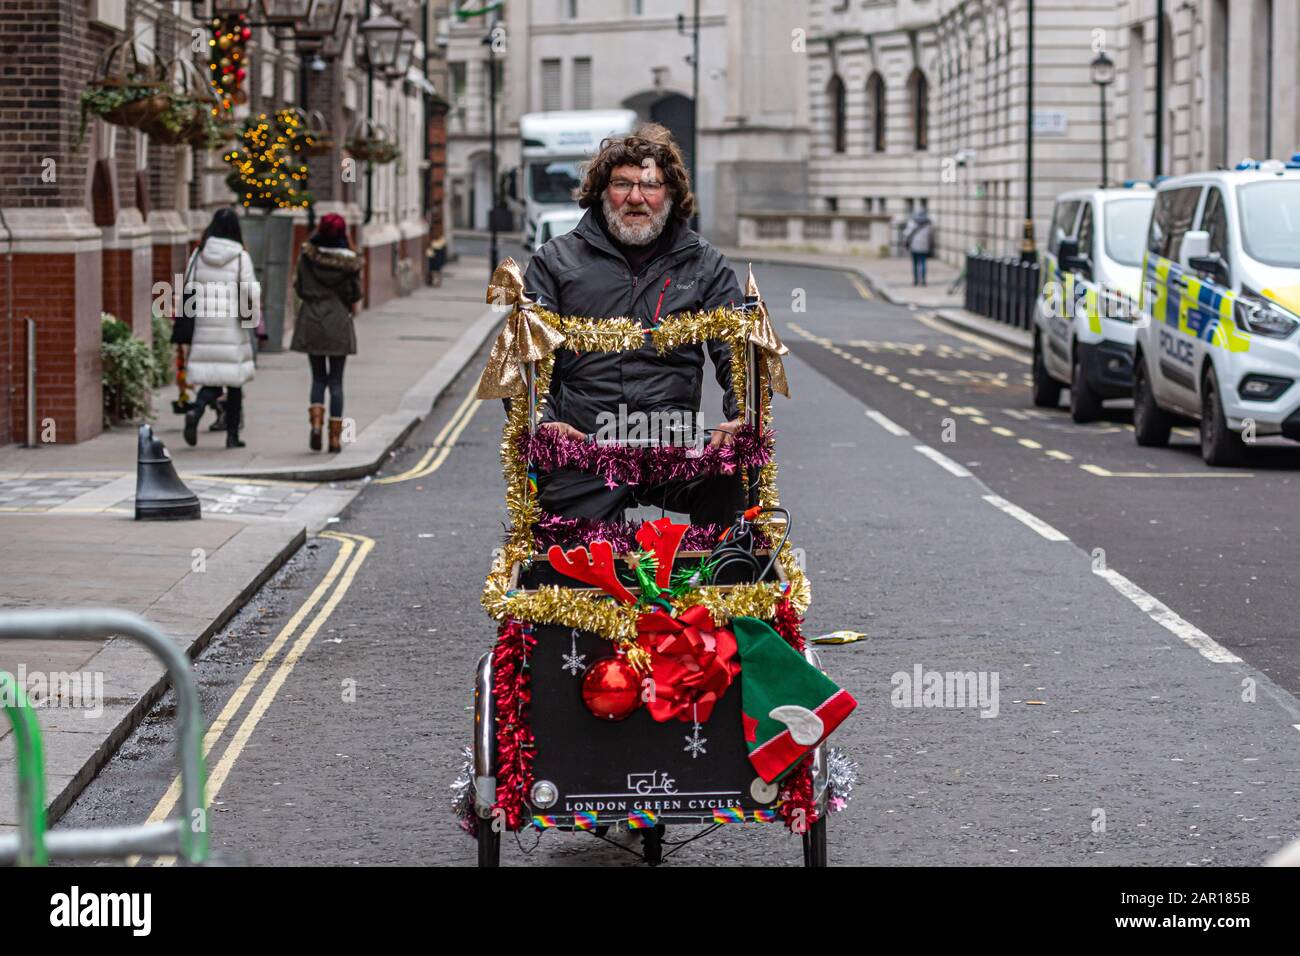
x=160 y=495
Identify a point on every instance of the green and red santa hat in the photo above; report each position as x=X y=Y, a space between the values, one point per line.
x=787 y=705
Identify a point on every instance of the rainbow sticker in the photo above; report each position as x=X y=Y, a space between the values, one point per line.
x=728 y=815
x=765 y=816
x=543 y=821
x=641 y=819
x=584 y=820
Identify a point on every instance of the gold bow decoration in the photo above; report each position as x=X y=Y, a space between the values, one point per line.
x=525 y=337
x=763 y=334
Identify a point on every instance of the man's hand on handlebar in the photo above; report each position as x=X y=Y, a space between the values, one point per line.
x=565 y=429
x=722 y=434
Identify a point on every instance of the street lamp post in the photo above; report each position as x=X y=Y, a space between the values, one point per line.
x=695 y=95
x=1103 y=75
x=382 y=39
x=492 y=139
x=497 y=214
x=1027 y=251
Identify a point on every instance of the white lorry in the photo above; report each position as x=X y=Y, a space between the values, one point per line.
x=555 y=145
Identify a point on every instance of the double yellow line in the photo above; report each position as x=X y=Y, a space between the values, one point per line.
x=353 y=550
x=442 y=445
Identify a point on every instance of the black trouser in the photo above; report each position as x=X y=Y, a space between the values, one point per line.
x=327 y=370
x=714 y=499
x=209 y=394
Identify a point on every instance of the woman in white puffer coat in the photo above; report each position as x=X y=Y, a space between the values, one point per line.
x=226 y=299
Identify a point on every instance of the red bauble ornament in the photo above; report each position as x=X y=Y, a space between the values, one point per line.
x=240 y=74
x=246 y=33
x=611 y=689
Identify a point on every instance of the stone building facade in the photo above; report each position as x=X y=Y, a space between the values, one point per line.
x=923 y=103
x=629 y=54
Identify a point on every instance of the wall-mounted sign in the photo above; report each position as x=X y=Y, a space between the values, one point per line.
x=1050 y=123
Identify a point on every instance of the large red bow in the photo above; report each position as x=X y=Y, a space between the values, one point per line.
x=693 y=663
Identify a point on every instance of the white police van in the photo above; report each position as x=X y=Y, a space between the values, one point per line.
x=1087 y=305
x=1219 y=339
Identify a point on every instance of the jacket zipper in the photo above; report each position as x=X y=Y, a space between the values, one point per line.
x=660 y=304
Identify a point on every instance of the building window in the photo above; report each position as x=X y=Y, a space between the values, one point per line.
x=919 y=89
x=582 y=83
x=835 y=90
x=571 y=9
x=876 y=111
x=552 y=91
x=457 y=73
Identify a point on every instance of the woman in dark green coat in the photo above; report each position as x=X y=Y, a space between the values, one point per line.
x=328 y=283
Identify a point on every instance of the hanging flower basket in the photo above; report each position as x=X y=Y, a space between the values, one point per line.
x=125 y=91
x=188 y=117
x=319 y=140
x=372 y=143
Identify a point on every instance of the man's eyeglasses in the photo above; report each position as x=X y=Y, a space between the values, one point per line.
x=624 y=187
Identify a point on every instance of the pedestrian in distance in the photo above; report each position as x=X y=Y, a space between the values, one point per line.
x=437 y=255
x=328 y=284
x=225 y=300
x=919 y=239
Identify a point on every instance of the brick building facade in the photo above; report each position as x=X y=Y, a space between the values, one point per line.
x=90 y=224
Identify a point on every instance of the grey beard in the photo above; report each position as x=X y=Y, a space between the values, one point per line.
x=636 y=235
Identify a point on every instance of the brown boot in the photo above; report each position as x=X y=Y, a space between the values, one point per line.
x=336 y=434
x=317 y=415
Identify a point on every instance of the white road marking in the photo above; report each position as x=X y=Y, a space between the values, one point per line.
x=888 y=424
x=942 y=460
x=1189 y=633
x=1025 y=518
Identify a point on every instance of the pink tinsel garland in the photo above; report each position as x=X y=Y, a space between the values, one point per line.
x=547 y=451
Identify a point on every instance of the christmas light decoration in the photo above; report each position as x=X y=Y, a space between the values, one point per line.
x=270 y=169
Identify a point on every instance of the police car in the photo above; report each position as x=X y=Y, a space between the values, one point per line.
x=1087 y=306
x=1219 y=338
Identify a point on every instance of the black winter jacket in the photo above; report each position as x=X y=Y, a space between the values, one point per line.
x=582 y=273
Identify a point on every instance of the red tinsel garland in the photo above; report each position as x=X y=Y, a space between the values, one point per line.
x=512 y=691
x=548 y=451
x=796 y=791
x=787 y=624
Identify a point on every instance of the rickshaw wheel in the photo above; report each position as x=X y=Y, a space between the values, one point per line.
x=814 y=843
x=489 y=845
x=652 y=844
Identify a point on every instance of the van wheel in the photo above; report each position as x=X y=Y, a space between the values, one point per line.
x=1046 y=390
x=1220 y=445
x=1151 y=425
x=1085 y=404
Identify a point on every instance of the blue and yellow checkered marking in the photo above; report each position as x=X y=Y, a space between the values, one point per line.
x=1199 y=310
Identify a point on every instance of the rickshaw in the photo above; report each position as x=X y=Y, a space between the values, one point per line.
x=695 y=702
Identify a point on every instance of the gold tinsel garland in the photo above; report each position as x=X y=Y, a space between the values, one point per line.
x=596 y=612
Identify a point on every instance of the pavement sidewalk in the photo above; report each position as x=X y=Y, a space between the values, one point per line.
x=68 y=538
x=891 y=280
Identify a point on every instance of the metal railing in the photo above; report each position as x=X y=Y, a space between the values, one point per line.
x=185 y=835
x=1002 y=288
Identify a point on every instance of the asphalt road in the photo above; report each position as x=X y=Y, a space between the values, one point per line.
x=1117 y=739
